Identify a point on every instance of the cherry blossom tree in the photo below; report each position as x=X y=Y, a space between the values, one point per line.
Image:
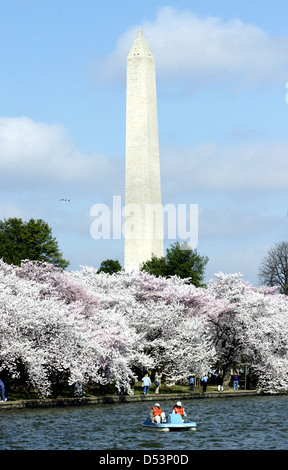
x=47 y=333
x=169 y=316
x=110 y=329
x=254 y=331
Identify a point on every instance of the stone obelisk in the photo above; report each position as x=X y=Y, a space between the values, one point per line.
x=143 y=210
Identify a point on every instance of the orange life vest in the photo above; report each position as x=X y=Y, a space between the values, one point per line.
x=156 y=411
x=179 y=410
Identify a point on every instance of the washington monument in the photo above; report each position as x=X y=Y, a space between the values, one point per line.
x=143 y=209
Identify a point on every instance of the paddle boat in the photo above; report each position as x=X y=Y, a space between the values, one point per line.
x=173 y=422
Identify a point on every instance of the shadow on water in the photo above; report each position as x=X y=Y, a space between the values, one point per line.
x=222 y=424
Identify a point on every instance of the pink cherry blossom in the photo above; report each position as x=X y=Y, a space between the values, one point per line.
x=112 y=328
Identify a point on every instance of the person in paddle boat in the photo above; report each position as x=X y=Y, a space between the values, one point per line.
x=157 y=415
x=178 y=409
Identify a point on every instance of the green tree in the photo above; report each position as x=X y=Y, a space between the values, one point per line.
x=180 y=260
x=110 y=266
x=31 y=240
x=156 y=266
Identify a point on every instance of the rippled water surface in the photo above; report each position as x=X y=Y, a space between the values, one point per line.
x=255 y=423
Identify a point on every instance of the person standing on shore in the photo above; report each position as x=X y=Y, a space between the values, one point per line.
x=235 y=380
x=204 y=381
x=146 y=382
x=158 y=376
x=191 y=381
x=219 y=382
x=2 y=388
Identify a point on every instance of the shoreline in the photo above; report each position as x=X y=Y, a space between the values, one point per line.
x=122 y=399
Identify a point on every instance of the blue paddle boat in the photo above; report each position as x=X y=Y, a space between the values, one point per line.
x=174 y=422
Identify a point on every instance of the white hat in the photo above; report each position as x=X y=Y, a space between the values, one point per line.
x=178 y=403
x=157 y=404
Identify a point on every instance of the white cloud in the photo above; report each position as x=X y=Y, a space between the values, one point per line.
x=194 y=49
x=43 y=155
x=40 y=164
x=210 y=166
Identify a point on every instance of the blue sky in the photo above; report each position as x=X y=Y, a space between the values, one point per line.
x=221 y=71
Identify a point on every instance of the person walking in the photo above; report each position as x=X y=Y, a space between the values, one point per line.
x=146 y=382
x=2 y=388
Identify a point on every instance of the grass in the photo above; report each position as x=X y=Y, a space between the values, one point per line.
x=178 y=388
x=16 y=392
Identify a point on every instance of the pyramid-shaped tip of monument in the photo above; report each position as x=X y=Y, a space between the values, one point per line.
x=140 y=46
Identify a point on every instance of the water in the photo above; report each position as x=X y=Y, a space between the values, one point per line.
x=253 y=423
